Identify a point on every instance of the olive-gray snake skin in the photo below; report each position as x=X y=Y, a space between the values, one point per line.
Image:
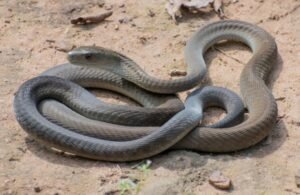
x=59 y=113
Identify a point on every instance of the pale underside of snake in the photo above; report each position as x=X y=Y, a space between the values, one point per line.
x=72 y=125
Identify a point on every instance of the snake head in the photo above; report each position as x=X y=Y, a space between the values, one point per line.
x=93 y=56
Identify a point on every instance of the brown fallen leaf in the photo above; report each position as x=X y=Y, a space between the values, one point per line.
x=91 y=19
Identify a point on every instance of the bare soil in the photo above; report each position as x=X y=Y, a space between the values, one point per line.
x=32 y=35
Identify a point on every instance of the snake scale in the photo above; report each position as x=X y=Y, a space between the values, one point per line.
x=69 y=121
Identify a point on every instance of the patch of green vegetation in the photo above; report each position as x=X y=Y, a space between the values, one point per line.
x=145 y=166
x=133 y=185
x=127 y=186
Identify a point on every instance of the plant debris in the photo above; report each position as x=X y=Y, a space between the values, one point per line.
x=173 y=7
x=91 y=19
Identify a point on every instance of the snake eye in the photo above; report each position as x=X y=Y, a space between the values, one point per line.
x=88 y=56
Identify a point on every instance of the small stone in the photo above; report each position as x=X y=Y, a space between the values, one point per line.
x=64 y=46
x=125 y=20
x=143 y=40
x=122 y=5
x=297 y=178
x=37 y=189
x=151 y=13
x=219 y=181
x=176 y=73
x=116 y=27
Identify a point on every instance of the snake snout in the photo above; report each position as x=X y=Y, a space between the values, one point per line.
x=76 y=57
x=93 y=56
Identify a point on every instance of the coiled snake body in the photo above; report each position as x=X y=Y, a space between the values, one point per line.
x=73 y=125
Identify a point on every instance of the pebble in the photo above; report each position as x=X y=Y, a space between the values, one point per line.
x=125 y=20
x=219 y=181
x=37 y=189
x=151 y=13
x=64 y=46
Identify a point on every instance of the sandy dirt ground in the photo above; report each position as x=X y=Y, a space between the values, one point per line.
x=32 y=35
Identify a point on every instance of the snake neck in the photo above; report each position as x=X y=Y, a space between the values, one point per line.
x=132 y=72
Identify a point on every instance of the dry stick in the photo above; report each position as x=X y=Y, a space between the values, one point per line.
x=222 y=52
x=91 y=19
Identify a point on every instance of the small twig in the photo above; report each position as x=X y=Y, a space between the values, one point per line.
x=279 y=17
x=222 y=52
x=280 y=99
x=91 y=19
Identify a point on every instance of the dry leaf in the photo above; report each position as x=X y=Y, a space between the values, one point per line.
x=173 y=6
x=218 y=8
x=196 y=4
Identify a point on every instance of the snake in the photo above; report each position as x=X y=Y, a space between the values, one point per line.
x=135 y=134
